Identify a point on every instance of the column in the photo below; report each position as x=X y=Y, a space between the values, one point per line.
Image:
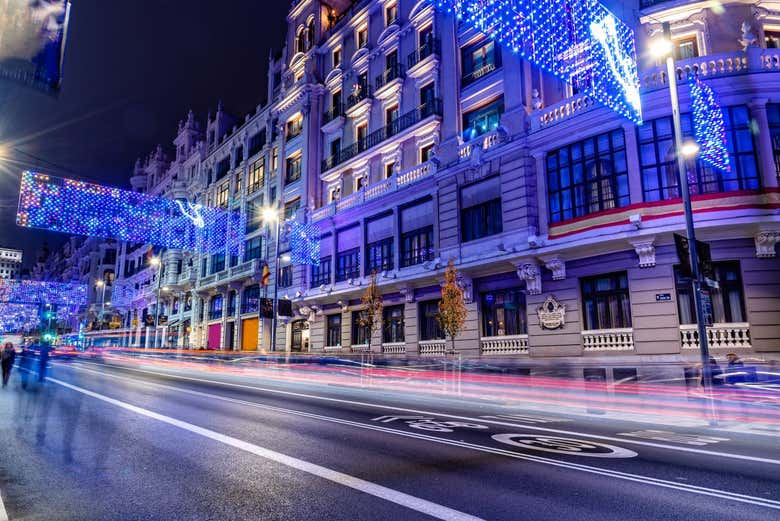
x=449 y=74
x=224 y=338
x=632 y=162
x=541 y=194
x=766 y=154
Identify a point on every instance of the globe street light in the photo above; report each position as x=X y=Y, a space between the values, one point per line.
x=102 y=285
x=663 y=48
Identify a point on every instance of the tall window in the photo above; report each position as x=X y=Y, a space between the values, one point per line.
x=588 y=177
x=391 y=14
x=393 y=324
x=685 y=48
x=337 y=57
x=291 y=208
x=727 y=300
x=256 y=176
x=416 y=246
x=504 y=313
x=293 y=169
x=285 y=276
x=362 y=37
x=479 y=60
x=480 y=214
x=257 y=142
x=773 y=112
x=333 y=331
x=250 y=299
x=379 y=255
x=232 y=297
x=253 y=249
x=659 y=169
x=605 y=302
x=360 y=334
x=223 y=193
x=429 y=325
x=215 y=308
x=217 y=262
x=254 y=217
x=483 y=119
x=348 y=265
x=320 y=275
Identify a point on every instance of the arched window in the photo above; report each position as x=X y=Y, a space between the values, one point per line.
x=310 y=34
x=300 y=40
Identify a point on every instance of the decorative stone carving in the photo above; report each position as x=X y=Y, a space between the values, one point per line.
x=530 y=273
x=552 y=314
x=748 y=38
x=408 y=293
x=645 y=249
x=467 y=286
x=557 y=266
x=536 y=100
x=765 y=244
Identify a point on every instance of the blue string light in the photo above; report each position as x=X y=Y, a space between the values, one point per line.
x=75 y=207
x=304 y=241
x=709 y=126
x=41 y=293
x=580 y=41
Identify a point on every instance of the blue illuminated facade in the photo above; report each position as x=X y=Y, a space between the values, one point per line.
x=709 y=126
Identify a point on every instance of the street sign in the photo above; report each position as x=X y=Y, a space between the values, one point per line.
x=706 y=304
x=663 y=297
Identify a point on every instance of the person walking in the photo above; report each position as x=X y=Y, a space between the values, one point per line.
x=735 y=369
x=7 y=356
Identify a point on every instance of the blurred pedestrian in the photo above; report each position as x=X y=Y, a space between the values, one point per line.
x=735 y=369
x=7 y=356
x=716 y=373
x=25 y=362
x=43 y=362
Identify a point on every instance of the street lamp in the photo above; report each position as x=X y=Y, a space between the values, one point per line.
x=663 y=48
x=271 y=215
x=155 y=262
x=102 y=285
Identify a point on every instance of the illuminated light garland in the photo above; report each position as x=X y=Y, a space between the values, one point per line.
x=41 y=293
x=18 y=317
x=304 y=241
x=122 y=295
x=580 y=41
x=709 y=126
x=76 y=207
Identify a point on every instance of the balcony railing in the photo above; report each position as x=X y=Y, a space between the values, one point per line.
x=398 y=125
x=486 y=141
x=504 y=345
x=481 y=72
x=395 y=72
x=364 y=94
x=335 y=112
x=719 y=336
x=608 y=340
x=432 y=46
x=394 y=348
x=433 y=347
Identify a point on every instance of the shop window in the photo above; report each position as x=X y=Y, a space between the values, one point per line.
x=606 y=303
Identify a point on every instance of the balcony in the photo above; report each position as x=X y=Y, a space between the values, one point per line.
x=504 y=345
x=608 y=340
x=432 y=347
x=359 y=102
x=431 y=108
x=485 y=141
x=479 y=73
x=334 y=113
x=389 y=185
x=394 y=348
x=719 y=336
x=389 y=81
x=245 y=268
x=430 y=48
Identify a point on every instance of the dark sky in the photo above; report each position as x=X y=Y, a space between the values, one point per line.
x=132 y=70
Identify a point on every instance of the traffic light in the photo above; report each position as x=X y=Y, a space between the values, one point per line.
x=48 y=337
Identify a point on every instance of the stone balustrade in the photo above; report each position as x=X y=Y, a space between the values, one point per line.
x=486 y=141
x=432 y=347
x=394 y=348
x=702 y=66
x=608 y=340
x=330 y=349
x=719 y=336
x=504 y=345
x=360 y=348
x=561 y=111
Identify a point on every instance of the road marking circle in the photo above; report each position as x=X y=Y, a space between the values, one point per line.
x=569 y=446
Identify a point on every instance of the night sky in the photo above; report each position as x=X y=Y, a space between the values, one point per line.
x=132 y=71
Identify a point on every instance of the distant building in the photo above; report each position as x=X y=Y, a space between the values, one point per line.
x=10 y=263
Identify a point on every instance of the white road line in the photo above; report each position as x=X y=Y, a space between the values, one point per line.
x=388 y=494
x=637 y=478
x=3 y=513
x=454 y=416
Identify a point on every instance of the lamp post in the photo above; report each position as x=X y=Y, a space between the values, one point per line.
x=156 y=263
x=664 y=48
x=271 y=215
x=102 y=285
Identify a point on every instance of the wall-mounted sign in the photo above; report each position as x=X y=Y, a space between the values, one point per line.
x=663 y=297
x=552 y=314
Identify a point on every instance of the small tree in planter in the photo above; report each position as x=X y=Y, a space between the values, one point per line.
x=372 y=312
x=452 y=308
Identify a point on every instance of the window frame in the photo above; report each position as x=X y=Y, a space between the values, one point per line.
x=333 y=324
x=623 y=320
x=428 y=326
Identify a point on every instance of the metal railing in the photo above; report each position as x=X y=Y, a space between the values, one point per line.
x=394 y=72
x=429 y=48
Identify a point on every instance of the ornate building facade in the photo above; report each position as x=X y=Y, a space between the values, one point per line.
x=410 y=140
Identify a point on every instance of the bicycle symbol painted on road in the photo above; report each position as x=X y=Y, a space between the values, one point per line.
x=567 y=446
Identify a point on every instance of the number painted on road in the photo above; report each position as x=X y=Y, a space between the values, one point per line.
x=568 y=446
x=427 y=423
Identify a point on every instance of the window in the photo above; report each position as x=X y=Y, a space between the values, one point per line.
x=685 y=48
x=348 y=265
x=391 y=114
x=293 y=169
x=727 y=300
x=231 y=310
x=217 y=262
x=360 y=334
x=588 y=177
x=233 y=261
x=223 y=194
x=773 y=112
x=360 y=182
x=238 y=156
x=294 y=127
x=658 y=164
x=256 y=176
x=336 y=57
x=188 y=302
x=427 y=94
x=291 y=208
x=254 y=217
x=250 y=299
x=257 y=142
x=215 y=308
x=253 y=249
x=481 y=220
x=274 y=160
x=482 y=120
x=109 y=256
x=416 y=246
x=504 y=313
x=379 y=255
x=479 y=60
x=239 y=184
x=333 y=331
x=286 y=276
x=335 y=147
x=429 y=323
x=391 y=14
x=272 y=195
x=203 y=267
x=361 y=131
x=605 y=302
x=426 y=153
x=393 y=324
x=222 y=168
x=320 y=275
x=389 y=169
x=362 y=37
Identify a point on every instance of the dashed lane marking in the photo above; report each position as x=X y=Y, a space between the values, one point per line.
x=3 y=513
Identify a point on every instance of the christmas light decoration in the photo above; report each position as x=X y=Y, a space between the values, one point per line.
x=580 y=41
x=709 y=126
x=304 y=241
x=76 y=207
x=42 y=293
x=16 y=318
x=121 y=295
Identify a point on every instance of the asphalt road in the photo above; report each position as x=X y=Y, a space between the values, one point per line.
x=139 y=441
